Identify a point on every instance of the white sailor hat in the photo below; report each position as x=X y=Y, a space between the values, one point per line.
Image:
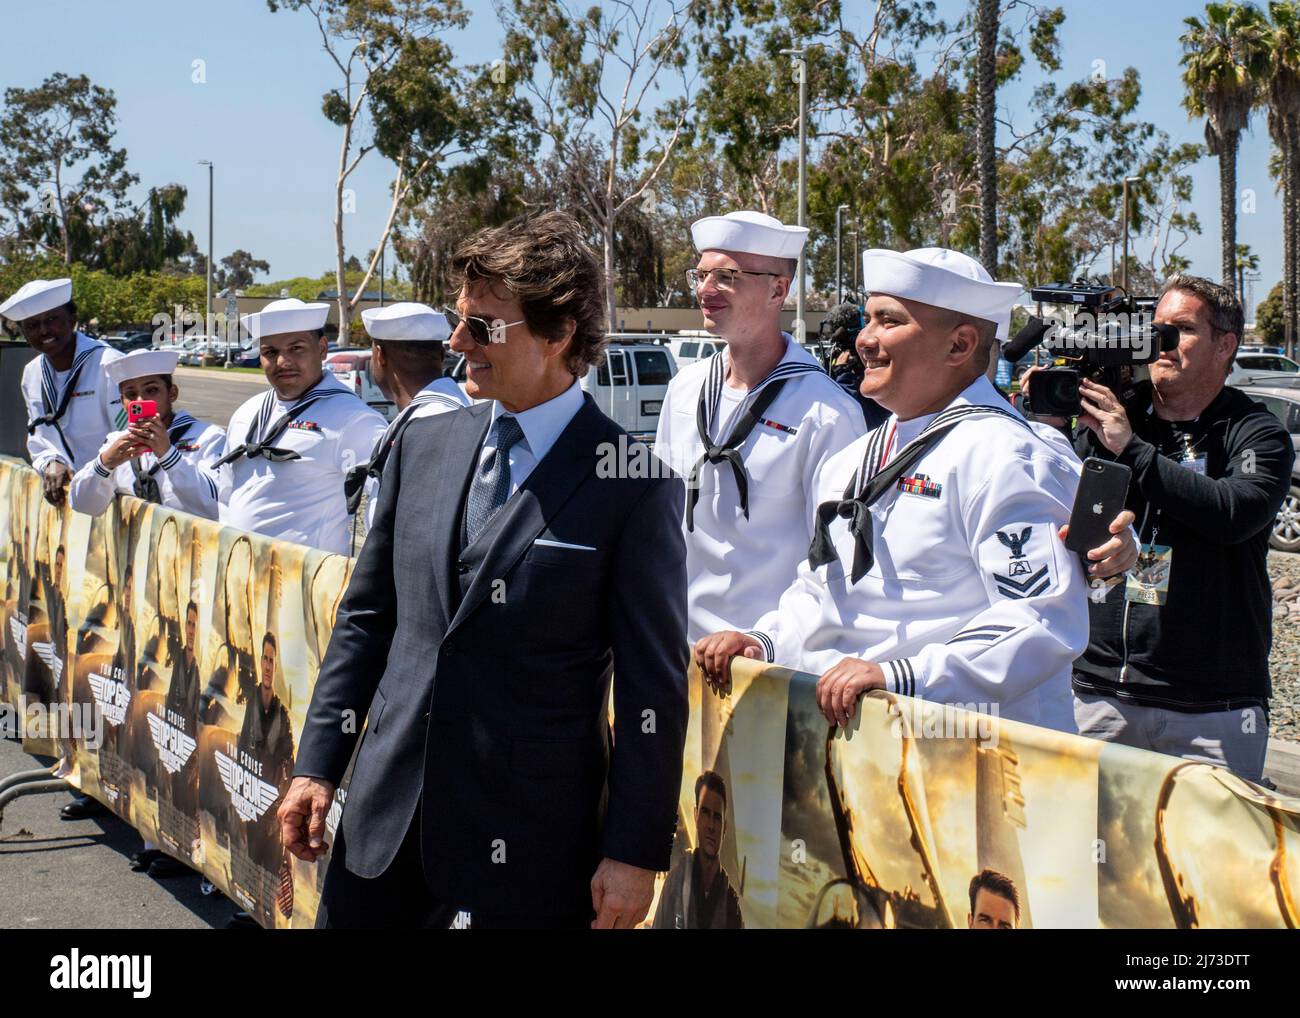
x=942 y=278
x=141 y=363
x=749 y=233
x=406 y=322
x=286 y=315
x=35 y=297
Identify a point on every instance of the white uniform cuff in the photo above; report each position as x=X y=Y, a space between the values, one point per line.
x=170 y=458
x=900 y=676
x=765 y=641
x=100 y=469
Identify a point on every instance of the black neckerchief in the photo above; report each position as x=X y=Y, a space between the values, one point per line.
x=55 y=403
x=706 y=412
x=258 y=439
x=871 y=481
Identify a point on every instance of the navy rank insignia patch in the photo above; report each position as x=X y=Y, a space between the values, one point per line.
x=920 y=485
x=1022 y=578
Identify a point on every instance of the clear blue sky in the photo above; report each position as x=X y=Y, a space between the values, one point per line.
x=258 y=114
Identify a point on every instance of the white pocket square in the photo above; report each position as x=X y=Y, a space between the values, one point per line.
x=544 y=543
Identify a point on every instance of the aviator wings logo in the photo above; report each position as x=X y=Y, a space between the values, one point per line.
x=174 y=746
x=19 y=632
x=47 y=653
x=249 y=794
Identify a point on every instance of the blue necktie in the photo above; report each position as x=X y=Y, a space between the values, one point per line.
x=491 y=487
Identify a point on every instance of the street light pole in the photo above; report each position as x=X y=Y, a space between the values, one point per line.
x=207 y=308
x=801 y=76
x=857 y=260
x=1123 y=268
x=839 y=258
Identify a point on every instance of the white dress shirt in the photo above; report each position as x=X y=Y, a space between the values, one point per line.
x=541 y=426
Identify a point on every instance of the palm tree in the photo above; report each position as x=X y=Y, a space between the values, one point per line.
x=1247 y=261
x=1225 y=58
x=986 y=23
x=1283 y=95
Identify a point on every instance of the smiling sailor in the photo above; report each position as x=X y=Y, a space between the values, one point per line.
x=289 y=449
x=936 y=570
x=748 y=427
x=70 y=407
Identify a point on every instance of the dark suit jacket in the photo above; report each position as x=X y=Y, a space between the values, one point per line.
x=489 y=711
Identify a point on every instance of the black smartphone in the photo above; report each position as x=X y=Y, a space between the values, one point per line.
x=1103 y=488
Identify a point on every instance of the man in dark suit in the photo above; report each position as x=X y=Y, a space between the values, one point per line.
x=505 y=579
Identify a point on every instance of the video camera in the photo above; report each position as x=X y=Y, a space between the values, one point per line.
x=1108 y=335
x=838 y=331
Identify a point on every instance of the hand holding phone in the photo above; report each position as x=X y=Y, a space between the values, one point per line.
x=1103 y=487
x=141 y=410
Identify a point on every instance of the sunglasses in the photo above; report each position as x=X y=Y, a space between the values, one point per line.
x=481 y=331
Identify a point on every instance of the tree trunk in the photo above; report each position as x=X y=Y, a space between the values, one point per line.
x=1291 y=235
x=1228 y=208
x=340 y=269
x=611 y=303
x=1288 y=235
x=345 y=307
x=63 y=215
x=986 y=102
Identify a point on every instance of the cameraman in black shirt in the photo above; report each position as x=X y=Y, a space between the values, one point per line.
x=1178 y=655
x=842 y=325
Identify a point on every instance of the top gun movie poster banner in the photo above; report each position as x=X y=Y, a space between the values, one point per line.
x=187 y=652
x=786 y=821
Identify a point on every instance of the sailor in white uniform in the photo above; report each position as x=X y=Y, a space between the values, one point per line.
x=406 y=363
x=167 y=459
x=936 y=570
x=288 y=450
x=748 y=427
x=70 y=407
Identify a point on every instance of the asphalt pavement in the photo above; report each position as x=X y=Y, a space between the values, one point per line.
x=62 y=874
x=213 y=394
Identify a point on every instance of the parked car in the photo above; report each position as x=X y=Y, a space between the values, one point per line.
x=193 y=348
x=352 y=368
x=128 y=341
x=629 y=386
x=1284 y=403
x=1261 y=369
x=1253 y=348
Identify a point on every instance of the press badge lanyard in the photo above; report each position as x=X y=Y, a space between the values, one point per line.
x=1148 y=581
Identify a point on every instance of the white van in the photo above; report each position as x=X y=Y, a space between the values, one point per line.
x=629 y=386
x=352 y=368
x=687 y=349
